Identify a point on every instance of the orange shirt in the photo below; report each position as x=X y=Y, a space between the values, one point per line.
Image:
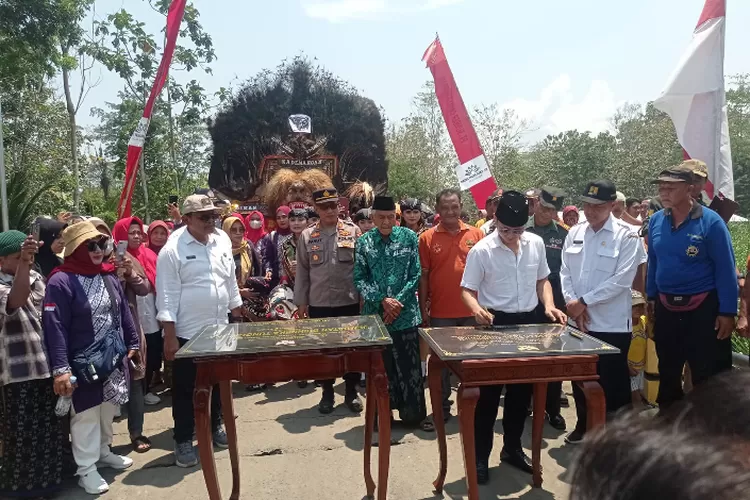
x=443 y=257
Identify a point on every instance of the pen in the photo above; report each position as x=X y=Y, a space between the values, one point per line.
x=575 y=334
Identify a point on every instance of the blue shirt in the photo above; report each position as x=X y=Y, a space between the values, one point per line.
x=694 y=258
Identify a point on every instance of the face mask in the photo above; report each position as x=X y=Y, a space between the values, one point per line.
x=255 y=224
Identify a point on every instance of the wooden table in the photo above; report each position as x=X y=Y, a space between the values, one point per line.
x=316 y=349
x=483 y=357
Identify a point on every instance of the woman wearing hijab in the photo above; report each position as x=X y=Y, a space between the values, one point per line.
x=411 y=211
x=89 y=332
x=139 y=280
x=256 y=228
x=253 y=287
x=272 y=252
x=50 y=233
x=158 y=234
x=570 y=215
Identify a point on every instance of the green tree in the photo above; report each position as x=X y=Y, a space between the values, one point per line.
x=738 y=110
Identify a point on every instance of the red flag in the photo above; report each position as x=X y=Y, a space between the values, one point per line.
x=135 y=145
x=474 y=171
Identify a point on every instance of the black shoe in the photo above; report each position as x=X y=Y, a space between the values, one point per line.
x=557 y=422
x=302 y=384
x=483 y=473
x=353 y=403
x=575 y=437
x=516 y=458
x=564 y=403
x=326 y=402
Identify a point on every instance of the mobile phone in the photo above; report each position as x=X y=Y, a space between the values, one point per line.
x=122 y=247
x=35 y=230
x=172 y=198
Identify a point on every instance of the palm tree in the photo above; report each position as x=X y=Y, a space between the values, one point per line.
x=22 y=200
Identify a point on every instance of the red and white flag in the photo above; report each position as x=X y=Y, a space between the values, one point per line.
x=138 y=139
x=474 y=171
x=696 y=101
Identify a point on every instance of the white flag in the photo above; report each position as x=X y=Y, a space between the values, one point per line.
x=695 y=99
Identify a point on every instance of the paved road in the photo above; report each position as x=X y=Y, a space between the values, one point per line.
x=288 y=450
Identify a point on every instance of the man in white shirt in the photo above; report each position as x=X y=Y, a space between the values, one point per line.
x=599 y=264
x=196 y=287
x=504 y=281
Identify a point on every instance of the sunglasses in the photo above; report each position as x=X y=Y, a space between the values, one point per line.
x=206 y=217
x=98 y=244
x=506 y=230
x=328 y=206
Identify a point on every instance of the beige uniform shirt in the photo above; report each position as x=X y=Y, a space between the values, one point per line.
x=325 y=266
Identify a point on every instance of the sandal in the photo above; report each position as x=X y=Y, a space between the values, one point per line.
x=141 y=444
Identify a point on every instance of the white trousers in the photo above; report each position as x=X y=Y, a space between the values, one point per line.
x=91 y=436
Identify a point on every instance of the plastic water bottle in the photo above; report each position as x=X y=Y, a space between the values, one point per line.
x=62 y=408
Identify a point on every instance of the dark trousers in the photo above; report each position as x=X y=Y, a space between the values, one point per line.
x=183 y=384
x=614 y=377
x=688 y=337
x=553 y=388
x=445 y=374
x=517 y=401
x=154 y=353
x=351 y=379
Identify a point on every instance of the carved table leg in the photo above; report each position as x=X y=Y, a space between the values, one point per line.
x=202 y=409
x=227 y=406
x=384 y=426
x=370 y=403
x=434 y=375
x=467 y=404
x=596 y=404
x=540 y=402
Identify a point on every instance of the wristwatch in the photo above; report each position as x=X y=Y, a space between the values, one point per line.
x=580 y=299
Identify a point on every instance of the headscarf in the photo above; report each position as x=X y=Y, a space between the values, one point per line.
x=284 y=210
x=255 y=235
x=568 y=209
x=145 y=257
x=99 y=224
x=49 y=231
x=246 y=263
x=151 y=227
x=79 y=262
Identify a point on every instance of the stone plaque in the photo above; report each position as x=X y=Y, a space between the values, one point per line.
x=287 y=336
x=515 y=341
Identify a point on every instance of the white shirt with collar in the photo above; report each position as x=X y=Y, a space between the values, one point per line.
x=505 y=281
x=195 y=283
x=600 y=267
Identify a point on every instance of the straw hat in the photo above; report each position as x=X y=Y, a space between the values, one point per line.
x=76 y=234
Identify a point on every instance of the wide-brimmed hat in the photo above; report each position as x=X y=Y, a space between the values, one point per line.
x=75 y=234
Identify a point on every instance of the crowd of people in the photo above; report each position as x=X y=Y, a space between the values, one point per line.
x=92 y=317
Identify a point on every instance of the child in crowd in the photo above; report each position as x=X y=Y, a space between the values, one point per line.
x=637 y=351
x=363 y=219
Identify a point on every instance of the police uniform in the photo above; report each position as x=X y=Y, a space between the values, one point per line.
x=325 y=281
x=553 y=235
x=598 y=268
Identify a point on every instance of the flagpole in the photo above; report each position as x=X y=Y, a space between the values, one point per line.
x=3 y=187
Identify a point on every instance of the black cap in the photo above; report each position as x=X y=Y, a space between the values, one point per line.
x=326 y=195
x=551 y=197
x=513 y=209
x=676 y=174
x=599 y=192
x=385 y=203
x=410 y=204
x=299 y=212
x=363 y=214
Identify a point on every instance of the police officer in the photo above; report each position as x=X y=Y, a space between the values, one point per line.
x=504 y=280
x=324 y=286
x=544 y=224
x=598 y=267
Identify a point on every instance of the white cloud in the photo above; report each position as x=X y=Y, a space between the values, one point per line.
x=337 y=11
x=556 y=109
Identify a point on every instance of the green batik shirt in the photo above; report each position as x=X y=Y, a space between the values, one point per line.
x=389 y=267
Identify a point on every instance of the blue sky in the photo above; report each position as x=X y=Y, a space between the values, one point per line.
x=563 y=64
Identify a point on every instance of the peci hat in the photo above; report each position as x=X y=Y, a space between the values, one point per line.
x=599 y=192
x=75 y=234
x=698 y=167
x=384 y=203
x=10 y=242
x=675 y=174
x=551 y=197
x=196 y=203
x=513 y=209
x=326 y=195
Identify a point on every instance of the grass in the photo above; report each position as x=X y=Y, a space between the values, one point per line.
x=741 y=241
